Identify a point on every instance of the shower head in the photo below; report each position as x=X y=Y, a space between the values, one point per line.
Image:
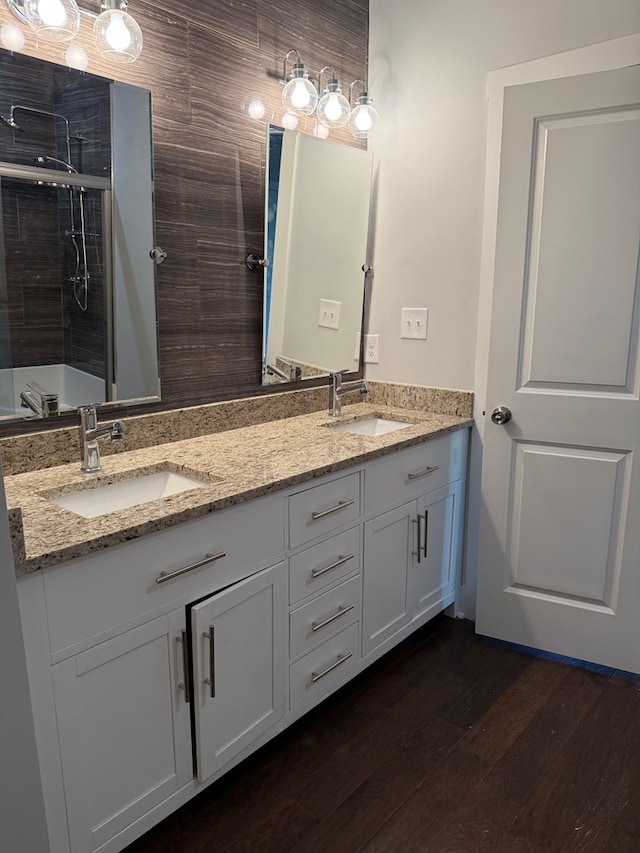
x=9 y=120
x=42 y=160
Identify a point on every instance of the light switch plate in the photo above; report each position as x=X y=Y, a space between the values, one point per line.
x=414 y=323
x=329 y=317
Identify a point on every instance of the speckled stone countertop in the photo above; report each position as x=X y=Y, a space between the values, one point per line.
x=237 y=465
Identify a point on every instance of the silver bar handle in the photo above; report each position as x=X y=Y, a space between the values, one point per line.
x=426 y=532
x=317 y=573
x=424 y=473
x=418 y=552
x=316 y=676
x=163 y=577
x=317 y=626
x=185 y=685
x=340 y=505
x=211 y=681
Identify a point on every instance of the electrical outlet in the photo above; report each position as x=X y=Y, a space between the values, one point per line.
x=371 y=349
x=329 y=316
x=414 y=323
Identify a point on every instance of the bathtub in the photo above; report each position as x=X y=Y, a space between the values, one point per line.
x=74 y=387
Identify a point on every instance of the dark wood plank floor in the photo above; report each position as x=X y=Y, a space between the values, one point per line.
x=451 y=744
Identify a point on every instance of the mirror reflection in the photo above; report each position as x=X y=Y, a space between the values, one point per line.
x=77 y=281
x=317 y=218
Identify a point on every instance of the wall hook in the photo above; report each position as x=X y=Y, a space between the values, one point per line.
x=158 y=255
x=253 y=262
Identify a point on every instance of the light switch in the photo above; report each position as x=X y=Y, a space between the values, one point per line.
x=329 y=316
x=414 y=323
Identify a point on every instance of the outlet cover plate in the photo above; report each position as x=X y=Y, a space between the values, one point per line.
x=414 y=323
x=329 y=316
x=371 y=351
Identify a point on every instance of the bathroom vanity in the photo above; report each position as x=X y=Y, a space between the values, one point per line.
x=168 y=641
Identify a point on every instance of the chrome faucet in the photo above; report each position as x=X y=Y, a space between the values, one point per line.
x=90 y=432
x=42 y=403
x=337 y=391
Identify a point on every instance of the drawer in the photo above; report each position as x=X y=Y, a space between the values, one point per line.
x=101 y=595
x=326 y=615
x=323 y=565
x=325 y=668
x=409 y=473
x=323 y=508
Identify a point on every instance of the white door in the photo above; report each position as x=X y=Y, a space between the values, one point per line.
x=239 y=651
x=560 y=529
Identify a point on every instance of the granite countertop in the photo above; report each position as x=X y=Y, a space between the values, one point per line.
x=237 y=465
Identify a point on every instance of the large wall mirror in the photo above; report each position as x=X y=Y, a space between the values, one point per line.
x=78 y=319
x=317 y=205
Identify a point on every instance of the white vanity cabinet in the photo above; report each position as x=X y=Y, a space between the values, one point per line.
x=412 y=551
x=123 y=728
x=239 y=659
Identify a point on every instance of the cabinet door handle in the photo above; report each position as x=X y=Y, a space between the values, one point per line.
x=211 y=681
x=418 y=553
x=316 y=626
x=340 y=505
x=316 y=676
x=317 y=573
x=424 y=473
x=163 y=577
x=426 y=532
x=185 y=684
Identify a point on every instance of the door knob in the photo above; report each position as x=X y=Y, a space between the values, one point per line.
x=501 y=415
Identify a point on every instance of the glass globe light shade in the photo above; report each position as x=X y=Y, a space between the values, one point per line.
x=364 y=119
x=53 y=20
x=254 y=107
x=118 y=36
x=333 y=107
x=299 y=95
x=289 y=120
x=11 y=37
x=76 y=57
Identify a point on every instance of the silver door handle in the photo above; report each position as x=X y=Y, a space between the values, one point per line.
x=426 y=532
x=424 y=473
x=317 y=573
x=185 y=685
x=316 y=676
x=340 y=505
x=211 y=681
x=501 y=415
x=417 y=553
x=316 y=626
x=163 y=577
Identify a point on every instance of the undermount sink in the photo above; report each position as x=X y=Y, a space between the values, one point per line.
x=372 y=426
x=93 y=501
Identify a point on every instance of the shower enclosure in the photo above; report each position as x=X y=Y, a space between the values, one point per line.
x=77 y=282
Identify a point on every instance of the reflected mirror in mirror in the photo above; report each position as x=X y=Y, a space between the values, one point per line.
x=77 y=281
x=317 y=220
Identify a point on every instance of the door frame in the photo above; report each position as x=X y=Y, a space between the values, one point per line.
x=604 y=56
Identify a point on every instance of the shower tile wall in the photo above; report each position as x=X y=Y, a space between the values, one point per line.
x=200 y=59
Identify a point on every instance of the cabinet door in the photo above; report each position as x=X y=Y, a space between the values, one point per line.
x=432 y=573
x=388 y=542
x=124 y=728
x=239 y=655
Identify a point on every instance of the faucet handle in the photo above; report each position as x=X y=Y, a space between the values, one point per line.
x=117 y=431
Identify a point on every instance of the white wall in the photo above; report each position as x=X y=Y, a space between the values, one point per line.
x=429 y=63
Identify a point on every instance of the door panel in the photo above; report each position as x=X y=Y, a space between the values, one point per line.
x=559 y=539
x=432 y=577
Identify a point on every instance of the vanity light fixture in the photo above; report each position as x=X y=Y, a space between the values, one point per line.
x=117 y=35
x=299 y=94
x=333 y=108
x=364 y=118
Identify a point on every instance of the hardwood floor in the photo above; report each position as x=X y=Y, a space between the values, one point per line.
x=451 y=743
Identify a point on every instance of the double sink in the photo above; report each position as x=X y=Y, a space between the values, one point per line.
x=96 y=498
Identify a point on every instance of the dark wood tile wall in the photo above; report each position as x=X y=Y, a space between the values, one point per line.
x=200 y=59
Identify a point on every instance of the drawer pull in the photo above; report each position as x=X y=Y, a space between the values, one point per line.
x=317 y=626
x=185 y=685
x=208 y=558
x=316 y=676
x=419 y=551
x=317 y=573
x=426 y=532
x=211 y=681
x=340 y=505
x=424 y=473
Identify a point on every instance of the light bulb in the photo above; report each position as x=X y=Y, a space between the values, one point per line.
x=52 y=13
x=333 y=110
x=256 y=108
x=299 y=97
x=321 y=131
x=116 y=34
x=363 y=121
x=11 y=37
